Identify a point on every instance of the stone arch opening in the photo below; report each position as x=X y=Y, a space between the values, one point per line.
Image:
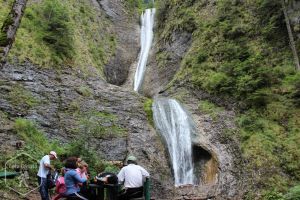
x=205 y=166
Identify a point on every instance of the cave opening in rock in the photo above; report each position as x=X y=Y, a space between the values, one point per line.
x=205 y=166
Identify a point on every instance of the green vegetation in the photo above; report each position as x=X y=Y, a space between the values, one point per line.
x=3 y=39
x=162 y=57
x=22 y=98
x=5 y=20
x=93 y=123
x=293 y=193
x=3 y=118
x=5 y=6
x=100 y=124
x=85 y=91
x=240 y=49
x=64 y=33
x=140 y=5
x=37 y=145
x=148 y=109
x=210 y=108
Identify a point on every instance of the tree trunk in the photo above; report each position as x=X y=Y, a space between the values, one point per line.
x=9 y=28
x=291 y=37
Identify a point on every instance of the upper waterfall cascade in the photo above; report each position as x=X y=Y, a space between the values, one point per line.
x=176 y=127
x=147 y=22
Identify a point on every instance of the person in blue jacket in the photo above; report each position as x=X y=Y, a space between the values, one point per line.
x=72 y=178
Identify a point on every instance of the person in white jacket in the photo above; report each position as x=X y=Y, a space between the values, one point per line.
x=133 y=177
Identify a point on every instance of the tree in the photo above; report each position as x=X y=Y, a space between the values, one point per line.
x=290 y=33
x=9 y=28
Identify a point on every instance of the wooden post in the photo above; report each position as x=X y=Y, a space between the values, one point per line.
x=291 y=37
x=9 y=28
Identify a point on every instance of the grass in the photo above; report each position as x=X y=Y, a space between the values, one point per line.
x=100 y=125
x=37 y=145
x=76 y=35
x=209 y=108
x=148 y=110
x=5 y=6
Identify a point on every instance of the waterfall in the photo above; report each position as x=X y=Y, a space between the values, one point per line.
x=170 y=118
x=147 y=22
x=176 y=128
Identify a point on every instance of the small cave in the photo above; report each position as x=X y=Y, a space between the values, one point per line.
x=205 y=166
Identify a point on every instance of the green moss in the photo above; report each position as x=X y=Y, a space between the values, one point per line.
x=3 y=118
x=148 y=110
x=22 y=98
x=84 y=91
x=210 y=108
x=162 y=58
x=74 y=107
x=100 y=124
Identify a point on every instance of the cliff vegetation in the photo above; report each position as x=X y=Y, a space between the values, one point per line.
x=240 y=52
x=64 y=33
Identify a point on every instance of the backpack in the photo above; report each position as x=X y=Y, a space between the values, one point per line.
x=51 y=179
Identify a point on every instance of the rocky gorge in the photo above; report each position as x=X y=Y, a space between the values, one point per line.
x=97 y=103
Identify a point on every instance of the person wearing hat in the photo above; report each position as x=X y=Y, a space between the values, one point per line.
x=44 y=169
x=133 y=177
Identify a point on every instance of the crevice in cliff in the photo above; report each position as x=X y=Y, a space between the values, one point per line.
x=205 y=166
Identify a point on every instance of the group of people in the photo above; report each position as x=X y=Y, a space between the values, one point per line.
x=74 y=178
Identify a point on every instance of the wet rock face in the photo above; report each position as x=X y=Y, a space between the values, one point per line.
x=165 y=62
x=205 y=166
x=126 y=29
x=218 y=160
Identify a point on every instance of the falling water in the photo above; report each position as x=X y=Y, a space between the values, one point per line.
x=147 y=21
x=176 y=127
x=170 y=118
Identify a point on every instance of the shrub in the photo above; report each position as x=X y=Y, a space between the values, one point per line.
x=148 y=109
x=57 y=31
x=293 y=193
x=210 y=108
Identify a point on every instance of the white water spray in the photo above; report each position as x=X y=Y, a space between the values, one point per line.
x=147 y=22
x=176 y=127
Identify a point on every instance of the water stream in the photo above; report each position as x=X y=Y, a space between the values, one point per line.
x=176 y=127
x=171 y=120
x=147 y=22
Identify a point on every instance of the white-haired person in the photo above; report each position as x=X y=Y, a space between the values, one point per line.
x=133 y=176
x=44 y=170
